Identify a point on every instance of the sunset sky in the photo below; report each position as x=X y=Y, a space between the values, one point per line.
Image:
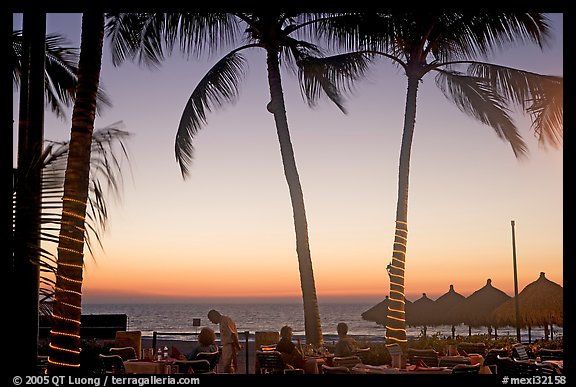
x=227 y=232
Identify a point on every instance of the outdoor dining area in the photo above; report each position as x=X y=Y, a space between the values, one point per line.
x=540 y=303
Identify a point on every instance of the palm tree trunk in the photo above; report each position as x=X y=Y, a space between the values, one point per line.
x=396 y=319
x=276 y=106
x=28 y=185
x=65 y=333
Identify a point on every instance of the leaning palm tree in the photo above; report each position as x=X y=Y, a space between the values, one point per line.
x=442 y=43
x=146 y=36
x=65 y=333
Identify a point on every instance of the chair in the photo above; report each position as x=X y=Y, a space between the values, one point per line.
x=491 y=359
x=520 y=352
x=346 y=361
x=362 y=353
x=212 y=357
x=469 y=348
x=335 y=370
x=545 y=369
x=551 y=354
x=129 y=339
x=525 y=367
x=466 y=369
x=268 y=347
x=193 y=366
x=271 y=362
x=126 y=353
x=452 y=361
x=427 y=356
x=112 y=364
x=505 y=366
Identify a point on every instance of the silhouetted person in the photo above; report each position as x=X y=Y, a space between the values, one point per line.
x=346 y=345
x=228 y=339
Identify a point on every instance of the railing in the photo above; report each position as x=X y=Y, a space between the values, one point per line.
x=155 y=335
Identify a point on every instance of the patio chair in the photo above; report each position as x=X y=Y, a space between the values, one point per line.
x=362 y=353
x=112 y=364
x=520 y=352
x=505 y=366
x=212 y=357
x=272 y=362
x=427 y=356
x=551 y=354
x=346 y=361
x=466 y=369
x=335 y=370
x=193 y=366
x=126 y=353
x=466 y=348
x=491 y=359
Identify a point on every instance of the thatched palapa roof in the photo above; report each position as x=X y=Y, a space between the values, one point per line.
x=541 y=302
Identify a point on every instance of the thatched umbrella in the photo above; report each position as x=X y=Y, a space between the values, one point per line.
x=541 y=303
x=443 y=307
x=378 y=312
x=476 y=309
x=421 y=312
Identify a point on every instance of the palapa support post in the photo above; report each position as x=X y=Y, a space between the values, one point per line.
x=517 y=305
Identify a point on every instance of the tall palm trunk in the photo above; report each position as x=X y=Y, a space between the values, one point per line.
x=277 y=107
x=65 y=333
x=396 y=318
x=28 y=189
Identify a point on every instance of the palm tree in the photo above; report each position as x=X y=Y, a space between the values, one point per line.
x=46 y=69
x=422 y=43
x=65 y=334
x=40 y=62
x=26 y=224
x=60 y=76
x=144 y=36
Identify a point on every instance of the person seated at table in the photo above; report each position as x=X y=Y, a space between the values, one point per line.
x=346 y=345
x=290 y=352
x=293 y=355
x=206 y=341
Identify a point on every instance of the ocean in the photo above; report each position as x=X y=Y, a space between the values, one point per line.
x=255 y=317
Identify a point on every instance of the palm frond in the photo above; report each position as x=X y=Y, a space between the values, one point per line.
x=122 y=31
x=148 y=37
x=331 y=76
x=204 y=32
x=479 y=34
x=541 y=96
x=547 y=113
x=106 y=165
x=218 y=86
x=60 y=73
x=356 y=31
x=477 y=99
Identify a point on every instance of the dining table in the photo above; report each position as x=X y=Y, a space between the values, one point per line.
x=313 y=363
x=410 y=370
x=140 y=366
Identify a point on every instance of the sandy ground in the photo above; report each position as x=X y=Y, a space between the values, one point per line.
x=247 y=353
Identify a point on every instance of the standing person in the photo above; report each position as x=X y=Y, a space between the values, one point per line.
x=346 y=345
x=228 y=339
